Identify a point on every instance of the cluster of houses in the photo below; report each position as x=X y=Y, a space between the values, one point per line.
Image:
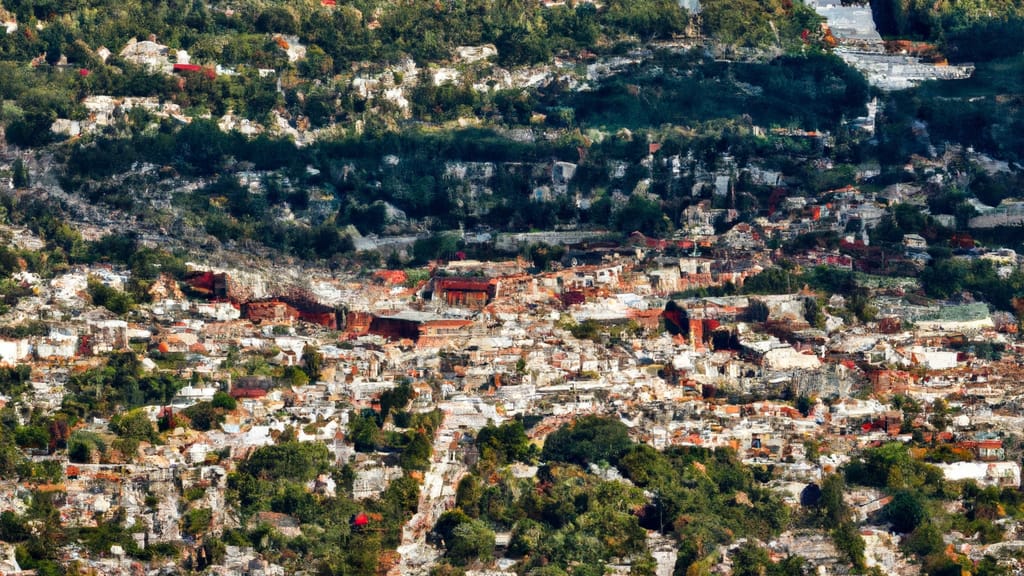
x=612 y=327
x=487 y=341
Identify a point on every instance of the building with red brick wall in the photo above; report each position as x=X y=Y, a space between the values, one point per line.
x=466 y=292
x=272 y=311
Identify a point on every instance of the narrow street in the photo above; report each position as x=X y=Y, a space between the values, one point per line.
x=437 y=495
x=664 y=551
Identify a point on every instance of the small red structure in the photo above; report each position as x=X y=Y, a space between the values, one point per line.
x=467 y=291
x=273 y=311
x=83 y=72
x=360 y=520
x=242 y=393
x=188 y=68
x=571 y=297
x=392 y=277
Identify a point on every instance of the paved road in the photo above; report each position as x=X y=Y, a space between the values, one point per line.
x=437 y=495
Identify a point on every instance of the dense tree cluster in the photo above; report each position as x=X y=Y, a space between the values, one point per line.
x=970 y=30
x=121 y=383
x=749 y=23
x=275 y=479
x=505 y=444
x=566 y=517
x=919 y=505
x=588 y=440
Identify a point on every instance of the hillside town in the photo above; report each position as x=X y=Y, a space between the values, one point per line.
x=733 y=332
x=511 y=288
x=796 y=380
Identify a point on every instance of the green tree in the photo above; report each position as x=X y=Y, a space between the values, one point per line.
x=468 y=495
x=849 y=541
x=528 y=536
x=774 y=280
x=395 y=399
x=589 y=439
x=364 y=432
x=447 y=522
x=470 y=540
x=834 y=509
x=133 y=425
x=11 y=460
x=31 y=436
x=295 y=461
x=542 y=255
x=224 y=401
x=924 y=541
x=643 y=215
x=647 y=19
x=197 y=521
x=505 y=443
x=813 y=314
x=82 y=445
x=804 y=404
x=277 y=19
x=312 y=362
x=112 y=299
x=905 y=512
x=434 y=247
x=416 y=454
x=203 y=416
x=20 y=177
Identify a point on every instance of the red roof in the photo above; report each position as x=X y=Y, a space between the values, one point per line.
x=391 y=276
x=187 y=67
x=361 y=519
x=248 y=393
x=464 y=284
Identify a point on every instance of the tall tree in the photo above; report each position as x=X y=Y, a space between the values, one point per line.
x=312 y=362
x=20 y=178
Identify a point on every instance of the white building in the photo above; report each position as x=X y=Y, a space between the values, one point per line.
x=1002 y=474
x=13 y=351
x=190 y=395
x=934 y=359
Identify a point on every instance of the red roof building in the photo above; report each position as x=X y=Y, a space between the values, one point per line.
x=272 y=311
x=466 y=292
